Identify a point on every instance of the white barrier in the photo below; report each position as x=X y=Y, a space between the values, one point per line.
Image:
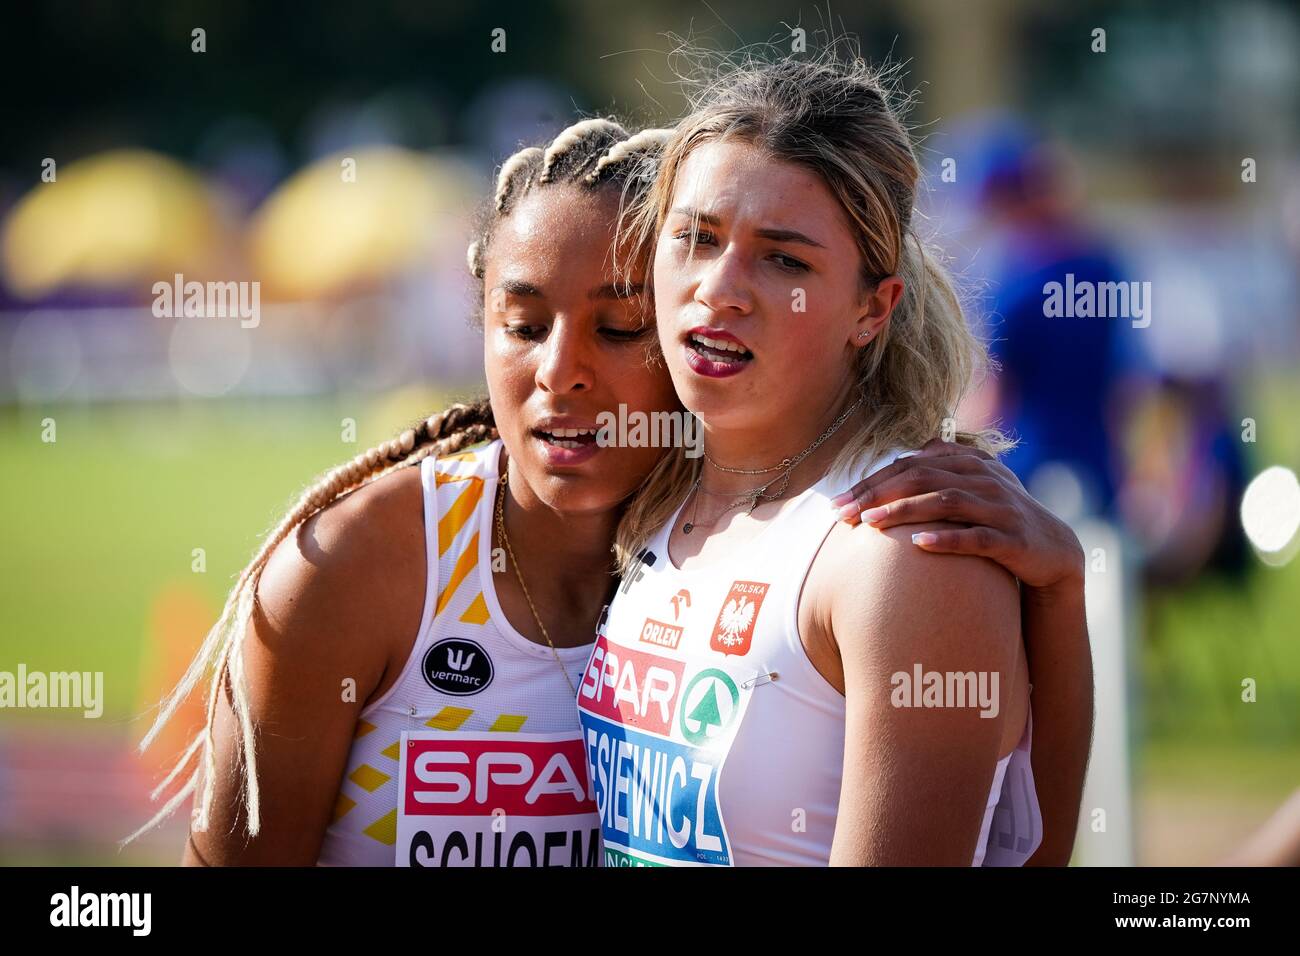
x=1106 y=834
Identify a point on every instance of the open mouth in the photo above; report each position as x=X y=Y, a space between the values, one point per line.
x=716 y=354
x=718 y=349
x=567 y=437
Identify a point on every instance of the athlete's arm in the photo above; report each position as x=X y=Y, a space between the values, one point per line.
x=957 y=483
x=1060 y=669
x=337 y=601
x=916 y=780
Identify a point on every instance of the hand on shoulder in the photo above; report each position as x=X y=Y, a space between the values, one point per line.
x=909 y=601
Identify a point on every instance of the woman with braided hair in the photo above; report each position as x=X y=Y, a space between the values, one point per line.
x=381 y=582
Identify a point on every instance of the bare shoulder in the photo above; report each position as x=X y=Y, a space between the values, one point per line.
x=338 y=600
x=357 y=567
x=878 y=584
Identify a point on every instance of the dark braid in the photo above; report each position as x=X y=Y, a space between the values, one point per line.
x=591 y=154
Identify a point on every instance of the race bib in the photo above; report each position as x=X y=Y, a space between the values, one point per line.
x=495 y=799
x=658 y=731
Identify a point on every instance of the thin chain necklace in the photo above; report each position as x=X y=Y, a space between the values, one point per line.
x=500 y=509
x=754 y=495
x=783 y=463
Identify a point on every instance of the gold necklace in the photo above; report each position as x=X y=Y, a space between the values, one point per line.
x=754 y=495
x=500 y=509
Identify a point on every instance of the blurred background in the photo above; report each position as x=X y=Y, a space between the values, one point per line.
x=144 y=455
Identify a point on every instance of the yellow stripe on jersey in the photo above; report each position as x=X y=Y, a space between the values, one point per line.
x=460 y=511
x=384 y=829
x=508 y=723
x=391 y=750
x=441 y=478
x=449 y=718
x=368 y=777
x=363 y=728
x=464 y=564
x=463 y=456
x=477 y=612
x=341 y=806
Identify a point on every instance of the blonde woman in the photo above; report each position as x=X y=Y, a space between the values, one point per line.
x=770 y=686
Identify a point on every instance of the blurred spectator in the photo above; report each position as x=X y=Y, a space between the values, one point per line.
x=1056 y=373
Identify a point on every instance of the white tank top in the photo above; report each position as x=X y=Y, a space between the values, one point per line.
x=474 y=756
x=712 y=739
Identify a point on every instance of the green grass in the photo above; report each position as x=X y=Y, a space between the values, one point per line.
x=1203 y=640
x=100 y=522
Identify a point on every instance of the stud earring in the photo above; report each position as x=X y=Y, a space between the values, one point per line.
x=865 y=335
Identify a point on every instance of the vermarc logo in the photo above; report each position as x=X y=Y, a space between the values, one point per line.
x=457 y=666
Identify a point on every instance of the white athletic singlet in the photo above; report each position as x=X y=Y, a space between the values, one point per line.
x=474 y=756
x=712 y=739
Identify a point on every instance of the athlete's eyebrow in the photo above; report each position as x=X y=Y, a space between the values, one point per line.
x=697 y=215
x=616 y=290
x=519 y=287
x=776 y=235
x=787 y=235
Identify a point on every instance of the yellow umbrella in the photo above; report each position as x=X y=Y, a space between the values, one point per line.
x=356 y=217
x=117 y=217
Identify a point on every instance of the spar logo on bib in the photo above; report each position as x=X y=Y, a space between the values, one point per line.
x=631 y=687
x=655 y=779
x=734 y=631
x=495 y=799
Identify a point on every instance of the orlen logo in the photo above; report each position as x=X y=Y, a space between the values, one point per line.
x=472 y=777
x=661 y=634
x=631 y=687
x=734 y=631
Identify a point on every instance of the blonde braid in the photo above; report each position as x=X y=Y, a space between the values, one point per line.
x=447 y=432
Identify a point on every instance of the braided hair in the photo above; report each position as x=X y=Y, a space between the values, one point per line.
x=592 y=154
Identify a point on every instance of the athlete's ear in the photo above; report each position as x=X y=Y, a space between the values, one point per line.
x=877 y=306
